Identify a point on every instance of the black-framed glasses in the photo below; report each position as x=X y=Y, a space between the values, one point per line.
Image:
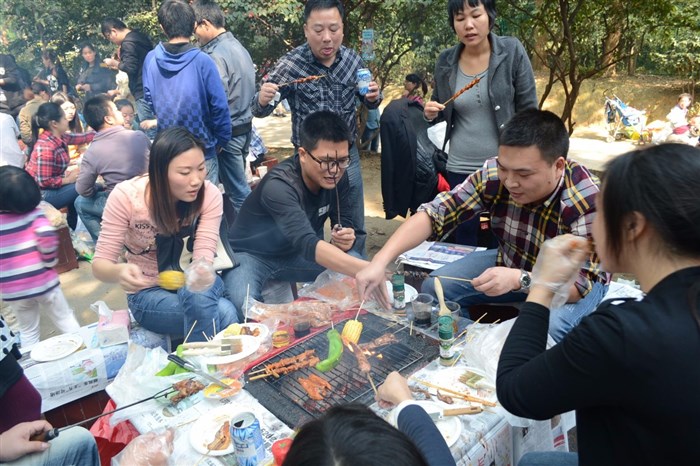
x=332 y=165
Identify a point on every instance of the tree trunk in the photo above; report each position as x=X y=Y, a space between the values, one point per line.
x=610 y=46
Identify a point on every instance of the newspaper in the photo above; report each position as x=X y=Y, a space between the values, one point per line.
x=432 y=255
x=182 y=417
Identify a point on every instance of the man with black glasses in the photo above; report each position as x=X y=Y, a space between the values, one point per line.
x=278 y=233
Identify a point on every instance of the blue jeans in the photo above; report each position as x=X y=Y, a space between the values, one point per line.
x=467 y=232
x=212 y=165
x=74 y=447
x=165 y=312
x=561 y=320
x=549 y=458
x=144 y=113
x=232 y=169
x=255 y=271
x=357 y=200
x=90 y=210
x=62 y=197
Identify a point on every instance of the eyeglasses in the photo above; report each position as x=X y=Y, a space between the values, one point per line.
x=332 y=166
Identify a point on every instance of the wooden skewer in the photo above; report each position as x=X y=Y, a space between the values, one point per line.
x=496 y=321
x=247 y=293
x=360 y=309
x=213 y=324
x=479 y=319
x=461 y=395
x=410 y=332
x=474 y=82
x=257 y=377
x=468 y=280
x=371 y=382
x=188 y=333
x=206 y=337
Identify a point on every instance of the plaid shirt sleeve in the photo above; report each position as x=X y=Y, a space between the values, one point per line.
x=286 y=69
x=49 y=169
x=451 y=208
x=77 y=139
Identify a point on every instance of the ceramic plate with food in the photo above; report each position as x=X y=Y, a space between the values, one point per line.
x=410 y=293
x=57 y=347
x=450 y=427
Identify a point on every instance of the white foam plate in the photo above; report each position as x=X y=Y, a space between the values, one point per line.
x=250 y=346
x=57 y=347
x=450 y=427
x=205 y=428
x=264 y=331
x=410 y=293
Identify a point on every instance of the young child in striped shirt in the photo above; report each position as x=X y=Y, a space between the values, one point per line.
x=28 y=251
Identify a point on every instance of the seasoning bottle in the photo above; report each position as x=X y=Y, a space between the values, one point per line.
x=445 y=328
x=398 y=288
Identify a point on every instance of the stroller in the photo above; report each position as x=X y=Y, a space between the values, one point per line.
x=624 y=121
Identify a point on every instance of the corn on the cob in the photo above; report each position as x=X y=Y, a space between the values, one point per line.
x=352 y=330
x=171 y=280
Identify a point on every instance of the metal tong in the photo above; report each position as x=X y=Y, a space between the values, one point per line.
x=53 y=433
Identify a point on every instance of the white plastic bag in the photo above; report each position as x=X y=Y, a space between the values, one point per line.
x=436 y=134
x=483 y=350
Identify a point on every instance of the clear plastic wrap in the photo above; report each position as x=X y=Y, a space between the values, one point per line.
x=150 y=449
x=317 y=313
x=199 y=276
x=333 y=288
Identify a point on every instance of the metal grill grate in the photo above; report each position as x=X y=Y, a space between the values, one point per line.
x=349 y=384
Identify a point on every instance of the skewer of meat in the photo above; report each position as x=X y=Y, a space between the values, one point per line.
x=302 y=80
x=308 y=354
x=474 y=82
x=362 y=363
x=386 y=339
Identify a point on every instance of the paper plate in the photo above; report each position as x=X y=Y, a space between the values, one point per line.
x=410 y=293
x=250 y=346
x=450 y=427
x=205 y=428
x=57 y=347
x=264 y=331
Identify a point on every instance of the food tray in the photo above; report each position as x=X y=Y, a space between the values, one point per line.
x=285 y=397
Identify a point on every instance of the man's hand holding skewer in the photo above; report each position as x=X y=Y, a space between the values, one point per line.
x=343 y=238
x=267 y=93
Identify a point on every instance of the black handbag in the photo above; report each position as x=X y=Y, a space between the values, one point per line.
x=174 y=252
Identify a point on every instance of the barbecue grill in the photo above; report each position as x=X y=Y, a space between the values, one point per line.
x=285 y=397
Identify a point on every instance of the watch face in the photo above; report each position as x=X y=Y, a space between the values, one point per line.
x=525 y=280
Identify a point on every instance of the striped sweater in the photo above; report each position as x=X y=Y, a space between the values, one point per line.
x=28 y=250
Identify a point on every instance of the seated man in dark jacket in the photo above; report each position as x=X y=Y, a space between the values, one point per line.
x=278 y=233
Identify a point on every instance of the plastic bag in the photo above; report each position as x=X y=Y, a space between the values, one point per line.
x=136 y=380
x=483 y=350
x=436 y=134
x=334 y=288
x=199 y=276
x=150 y=449
x=317 y=313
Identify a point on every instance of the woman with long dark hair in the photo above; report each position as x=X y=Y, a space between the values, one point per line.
x=415 y=88
x=629 y=369
x=53 y=75
x=169 y=198
x=49 y=159
x=94 y=79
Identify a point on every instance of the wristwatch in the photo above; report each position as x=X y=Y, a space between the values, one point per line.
x=525 y=280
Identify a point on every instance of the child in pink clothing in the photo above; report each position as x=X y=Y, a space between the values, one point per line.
x=28 y=249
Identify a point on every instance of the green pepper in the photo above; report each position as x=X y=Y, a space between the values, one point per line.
x=335 y=352
x=171 y=368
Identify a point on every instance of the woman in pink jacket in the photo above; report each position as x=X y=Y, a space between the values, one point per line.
x=166 y=200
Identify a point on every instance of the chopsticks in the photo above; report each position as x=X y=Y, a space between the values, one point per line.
x=468 y=280
x=474 y=82
x=461 y=395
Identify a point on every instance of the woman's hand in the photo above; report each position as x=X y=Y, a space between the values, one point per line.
x=200 y=275
x=71 y=176
x=131 y=279
x=371 y=284
x=559 y=260
x=393 y=391
x=432 y=109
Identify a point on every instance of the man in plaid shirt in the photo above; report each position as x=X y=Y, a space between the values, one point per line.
x=533 y=193
x=322 y=54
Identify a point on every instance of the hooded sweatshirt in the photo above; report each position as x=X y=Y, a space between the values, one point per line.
x=181 y=84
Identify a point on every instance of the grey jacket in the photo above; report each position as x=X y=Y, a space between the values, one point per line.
x=511 y=80
x=237 y=73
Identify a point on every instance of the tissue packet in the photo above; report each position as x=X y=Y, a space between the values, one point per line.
x=113 y=326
